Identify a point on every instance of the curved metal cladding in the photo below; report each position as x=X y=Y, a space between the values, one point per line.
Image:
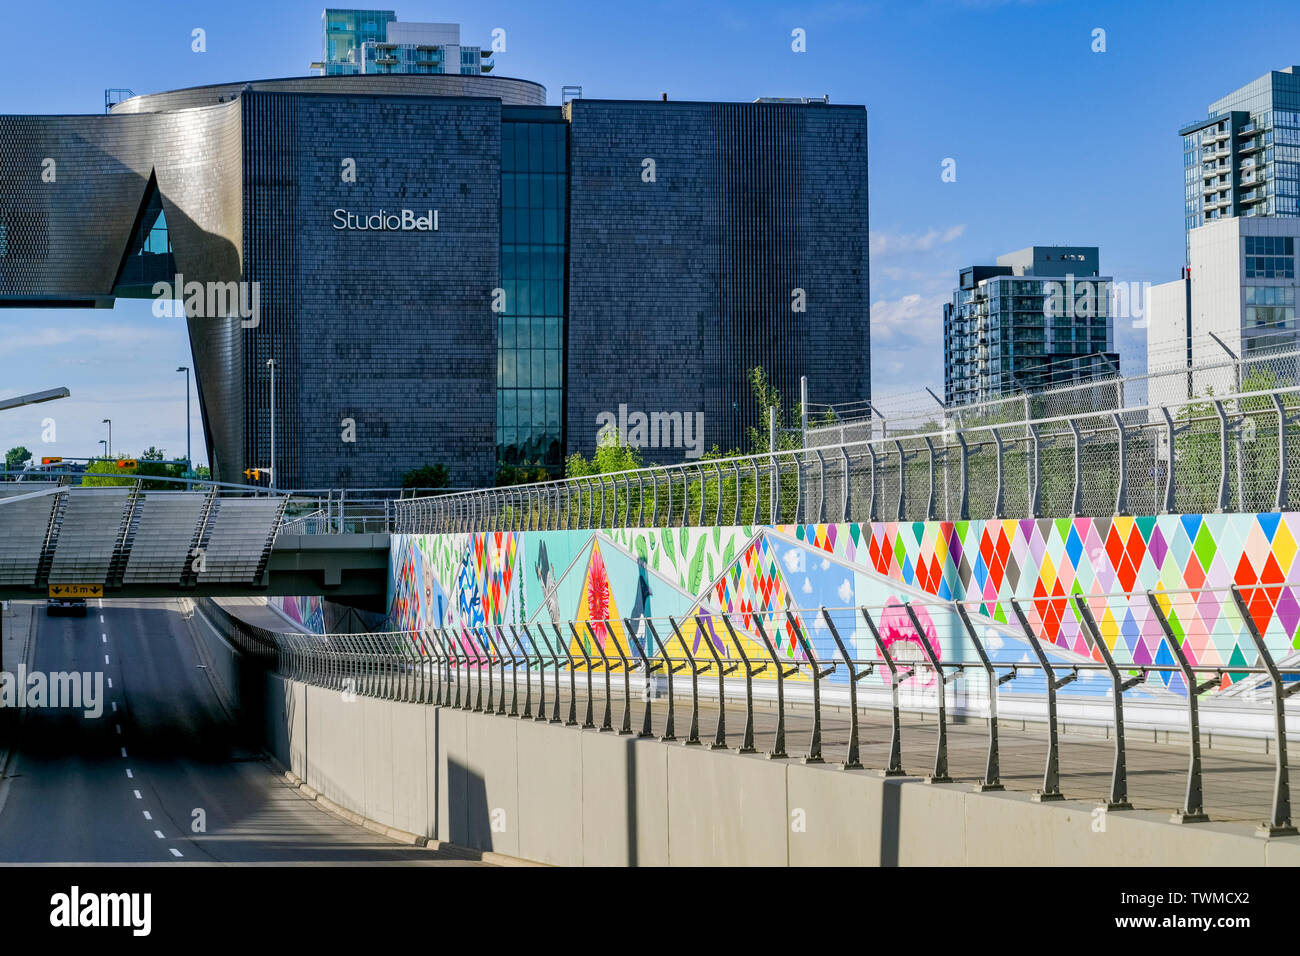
x=70 y=188
x=510 y=92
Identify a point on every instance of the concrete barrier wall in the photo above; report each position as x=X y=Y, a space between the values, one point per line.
x=565 y=796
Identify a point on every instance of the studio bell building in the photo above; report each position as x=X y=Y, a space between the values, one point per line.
x=445 y=270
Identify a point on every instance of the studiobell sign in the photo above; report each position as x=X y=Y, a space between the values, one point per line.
x=405 y=220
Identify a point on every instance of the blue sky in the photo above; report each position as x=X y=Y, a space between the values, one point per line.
x=1053 y=143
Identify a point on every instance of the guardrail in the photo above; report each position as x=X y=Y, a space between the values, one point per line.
x=1235 y=453
x=790 y=670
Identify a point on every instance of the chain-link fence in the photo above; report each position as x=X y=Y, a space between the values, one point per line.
x=1214 y=454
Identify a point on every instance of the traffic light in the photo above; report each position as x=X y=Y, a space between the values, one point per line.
x=254 y=473
x=128 y=463
x=51 y=461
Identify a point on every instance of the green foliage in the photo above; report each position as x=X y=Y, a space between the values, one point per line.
x=427 y=476
x=105 y=473
x=525 y=473
x=610 y=457
x=15 y=456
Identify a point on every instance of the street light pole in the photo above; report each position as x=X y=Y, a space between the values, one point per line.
x=109 y=423
x=270 y=363
x=189 y=462
x=105 y=444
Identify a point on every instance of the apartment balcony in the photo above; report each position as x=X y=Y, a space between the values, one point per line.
x=1253 y=146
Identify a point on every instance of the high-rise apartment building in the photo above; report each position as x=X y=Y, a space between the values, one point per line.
x=1040 y=318
x=375 y=41
x=1244 y=158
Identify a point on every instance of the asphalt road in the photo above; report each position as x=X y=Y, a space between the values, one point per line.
x=125 y=787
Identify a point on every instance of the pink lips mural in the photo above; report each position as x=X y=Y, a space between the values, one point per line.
x=901 y=640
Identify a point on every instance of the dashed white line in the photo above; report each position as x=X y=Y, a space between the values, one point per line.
x=115 y=707
x=129 y=774
x=118 y=728
x=110 y=683
x=175 y=852
x=147 y=814
x=105 y=658
x=137 y=794
x=159 y=834
x=103 y=638
x=101 y=619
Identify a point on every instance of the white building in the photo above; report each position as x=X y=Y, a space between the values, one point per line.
x=1240 y=288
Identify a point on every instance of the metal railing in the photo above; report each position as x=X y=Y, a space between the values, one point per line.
x=805 y=671
x=1234 y=453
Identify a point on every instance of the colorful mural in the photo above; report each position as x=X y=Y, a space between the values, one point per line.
x=772 y=582
x=307 y=612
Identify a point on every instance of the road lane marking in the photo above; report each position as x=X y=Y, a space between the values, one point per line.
x=103 y=638
x=101 y=619
x=129 y=774
x=124 y=754
x=110 y=683
x=175 y=852
x=115 y=707
x=105 y=658
x=159 y=834
x=137 y=794
x=147 y=815
x=118 y=728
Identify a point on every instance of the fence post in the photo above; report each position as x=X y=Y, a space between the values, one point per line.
x=607 y=721
x=700 y=470
x=1279 y=822
x=992 y=767
x=747 y=740
x=1118 y=799
x=588 y=722
x=821 y=487
x=845 y=492
x=717 y=514
x=929 y=505
x=1194 y=804
x=894 y=768
x=997 y=493
x=626 y=727
x=720 y=731
x=1052 y=772
x=648 y=669
x=528 y=677
x=555 y=658
x=1035 y=503
x=963 y=493
x=1121 y=491
x=563 y=645
x=815 y=743
x=1170 y=432
x=757 y=496
x=773 y=489
x=1281 y=452
x=640 y=499
x=902 y=480
x=692 y=738
x=778 y=750
x=940 y=774
x=871 y=508
x=1223 y=457
x=654 y=505
x=514 y=675
x=1076 y=497
x=852 y=760
x=670 y=727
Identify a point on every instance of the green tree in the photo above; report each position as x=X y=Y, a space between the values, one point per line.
x=105 y=473
x=15 y=457
x=427 y=476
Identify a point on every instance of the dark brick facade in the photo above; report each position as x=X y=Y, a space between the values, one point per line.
x=675 y=287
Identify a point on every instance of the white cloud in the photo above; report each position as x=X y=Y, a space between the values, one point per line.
x=794 y=561
x=894 y=243
x=846 y=592
x=825 y=563
x=807 y=586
